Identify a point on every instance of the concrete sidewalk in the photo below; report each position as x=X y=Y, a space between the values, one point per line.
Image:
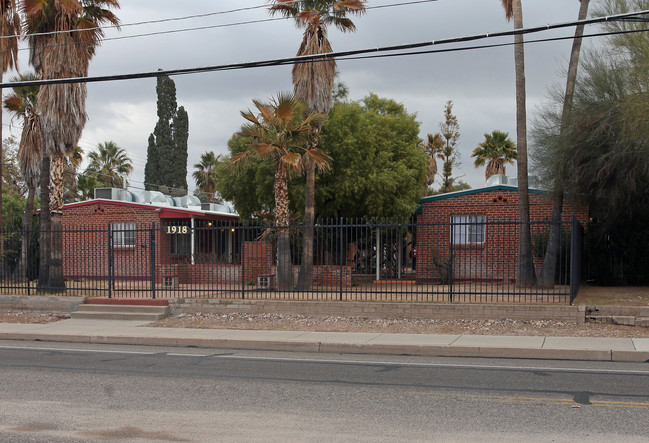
x=133 y=333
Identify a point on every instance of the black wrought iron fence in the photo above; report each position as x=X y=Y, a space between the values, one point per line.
x=465 y=260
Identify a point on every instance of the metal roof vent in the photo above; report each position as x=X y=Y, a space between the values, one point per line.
x=149 y=197
x=186 y=201
x=113 y=194
x=215 y=207
x=496 y=180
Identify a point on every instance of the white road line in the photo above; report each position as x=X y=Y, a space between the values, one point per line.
x=347 y=362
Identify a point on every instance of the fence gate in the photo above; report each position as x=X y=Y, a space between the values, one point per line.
x=131 y=260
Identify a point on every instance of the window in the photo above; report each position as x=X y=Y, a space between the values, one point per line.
x=123 y=233
x=468 y=229
x=181 y=244
x=180 y=238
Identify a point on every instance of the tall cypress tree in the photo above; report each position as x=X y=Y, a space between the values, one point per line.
x=167 y=151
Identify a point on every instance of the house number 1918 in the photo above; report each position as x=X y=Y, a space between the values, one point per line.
x=177 y=230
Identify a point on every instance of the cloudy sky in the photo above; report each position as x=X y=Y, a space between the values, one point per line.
x=480 y=82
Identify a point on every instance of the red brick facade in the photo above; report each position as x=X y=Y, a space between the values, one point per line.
x=85 y=242
x=86 y=252
x=497 y=255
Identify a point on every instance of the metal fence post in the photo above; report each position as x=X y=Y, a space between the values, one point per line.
x=576 y=257
x=449 y=271
x=152 y=246
x=242 y=242
x=110 y=261
x=342 y=257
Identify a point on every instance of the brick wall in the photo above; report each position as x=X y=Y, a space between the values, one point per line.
x=85 y=241
x=41 y=304
x=383 y=310
x=497 y=257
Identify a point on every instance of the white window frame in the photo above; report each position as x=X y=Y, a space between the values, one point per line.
x=123 y=234
x=469 y=229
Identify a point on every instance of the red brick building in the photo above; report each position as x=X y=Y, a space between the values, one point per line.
x=103 y=237
x=476 y=231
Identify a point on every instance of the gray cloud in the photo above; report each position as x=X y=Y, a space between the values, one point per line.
x=481 y=82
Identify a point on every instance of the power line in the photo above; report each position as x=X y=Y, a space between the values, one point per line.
x=335 y=55
x=198 y=28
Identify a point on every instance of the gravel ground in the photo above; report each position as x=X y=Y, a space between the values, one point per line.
x=357 y=324
x=403 y=326
x=29 y=317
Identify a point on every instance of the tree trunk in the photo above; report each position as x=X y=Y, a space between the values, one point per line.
x=44 y=239
x=305 y=278
x=526 y=274
x=284 y=263
x=23 y=266
x=55 y=280
x=4 y=269
x=547 y=275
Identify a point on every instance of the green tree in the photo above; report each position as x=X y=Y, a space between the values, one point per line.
x=281 y=130
x=206 y=174
x=313 y=82
x=450 y=134
x=526 y=274
x=166 y=163
x=86 y=185
x=108 y=165
x=56 y=53
x=599 y=151
x=547 y=274
x=377 y=168
x=495 y=151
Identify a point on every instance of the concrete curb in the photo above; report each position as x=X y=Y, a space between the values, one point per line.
x=298 y=345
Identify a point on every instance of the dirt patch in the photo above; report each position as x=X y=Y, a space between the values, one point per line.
x=400 y=326
x=613 y=295
x=29 y=317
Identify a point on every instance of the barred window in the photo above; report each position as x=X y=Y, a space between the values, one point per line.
x=181 y=244
x=123 y=233
x=180 y=238
x=468 y=229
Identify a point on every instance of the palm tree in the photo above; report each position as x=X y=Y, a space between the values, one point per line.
x=22 y=103
x=108 y=164
x=526 y=274
x=57 y=54
x=495 y=151
x=313 y=82
x=9 y=31
x=282 y=130
x=433 y=147
x=546 y=276
x=206 y=175
x=73 y=157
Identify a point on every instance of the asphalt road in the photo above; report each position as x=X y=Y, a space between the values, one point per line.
x=55 y=392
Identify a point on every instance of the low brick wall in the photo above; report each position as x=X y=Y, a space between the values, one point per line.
x=383 y=310
x=40 y=304
x=636 y=311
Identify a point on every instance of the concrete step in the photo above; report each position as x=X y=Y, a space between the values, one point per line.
x=121 y=312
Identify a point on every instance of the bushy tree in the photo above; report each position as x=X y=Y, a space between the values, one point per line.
x=601 y=150
x=377 y=168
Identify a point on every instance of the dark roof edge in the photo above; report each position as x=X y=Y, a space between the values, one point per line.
x=476 y=191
